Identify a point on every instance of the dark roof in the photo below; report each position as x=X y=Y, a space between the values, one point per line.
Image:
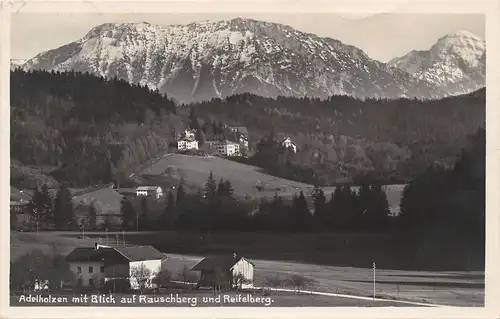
x=134 y=253
x=212 y=263
x=139 y=253
x=87 y=254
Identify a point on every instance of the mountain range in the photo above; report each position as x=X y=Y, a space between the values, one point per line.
x=204 y=60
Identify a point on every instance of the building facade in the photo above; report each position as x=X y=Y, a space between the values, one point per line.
x=153 y=191
x=94 y=266
x=187 y=144
x=225 y=148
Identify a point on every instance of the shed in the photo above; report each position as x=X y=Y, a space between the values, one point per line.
x=235 y=271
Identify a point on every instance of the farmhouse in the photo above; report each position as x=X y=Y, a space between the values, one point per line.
x=216 y=271
x=94 y=266
x=288 y=143
x=187 y=144
x=155 y=191
x=225 y=148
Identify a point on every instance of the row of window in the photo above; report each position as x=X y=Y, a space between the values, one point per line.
x=91 y=269
x=91 y=282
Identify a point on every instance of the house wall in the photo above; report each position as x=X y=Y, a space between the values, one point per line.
x=84 y=275
x=246 y=269
x=152 y=265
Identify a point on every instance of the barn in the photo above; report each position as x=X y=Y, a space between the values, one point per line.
x=234 y=271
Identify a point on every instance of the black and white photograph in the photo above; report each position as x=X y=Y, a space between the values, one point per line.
x=247 y=159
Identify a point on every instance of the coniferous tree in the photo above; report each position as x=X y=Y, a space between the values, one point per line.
x=210 y=189
x=143 y=217
x=319 y=207
x=63 y=209
x=169 y=211
x=181 y=193
x=92 y=219
x=128 y=214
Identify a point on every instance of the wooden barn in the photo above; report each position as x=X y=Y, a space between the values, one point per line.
x=227 y=271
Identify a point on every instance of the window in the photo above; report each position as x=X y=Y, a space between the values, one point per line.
x=91 y=269
x=102 y=269
x=79 y=270
x=91 y=282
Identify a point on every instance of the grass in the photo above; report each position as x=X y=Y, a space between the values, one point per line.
x=244 y=178
x=346 y=268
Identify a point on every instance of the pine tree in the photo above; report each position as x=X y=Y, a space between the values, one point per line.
x=200 y=137
x=210 y=189
x=169 y=211
x=92 y=219
x=319 y=207
x=181 y=193
x=128 y=214
x=63 y=209
x=143 y=217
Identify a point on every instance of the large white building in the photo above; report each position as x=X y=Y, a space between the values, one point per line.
x=225 y=148
x=187 y=144
x=155 y=191
x=288 y=143
x=94 y=266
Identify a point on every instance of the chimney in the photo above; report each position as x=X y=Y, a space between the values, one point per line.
x=234 y=255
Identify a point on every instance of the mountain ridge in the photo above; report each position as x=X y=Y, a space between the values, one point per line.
x=207 y=59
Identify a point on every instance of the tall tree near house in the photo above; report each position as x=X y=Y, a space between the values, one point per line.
x=319 y=208
x=143 y=217
x=63 y=209
x=169 y=211
x=128 y=214
x=92 y=219
x=181 y=193
x=200 y=137
x=300 y=217
x=210 y=190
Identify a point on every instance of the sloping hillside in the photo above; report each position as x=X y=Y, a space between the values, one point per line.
x=246 y=180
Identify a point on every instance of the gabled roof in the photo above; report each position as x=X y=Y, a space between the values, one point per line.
x=88 y=254
x=140 y=253
x=212 y=263
x=134 y=253
x=147 y=188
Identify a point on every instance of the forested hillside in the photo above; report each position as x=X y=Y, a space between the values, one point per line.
x=87 y=128
x=390 y=140
x=92 y=130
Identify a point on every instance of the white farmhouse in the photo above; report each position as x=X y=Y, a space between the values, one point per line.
x=213 y=269
x=288 y=143
x=94 y=266
x=155 y=191
x=187 y=144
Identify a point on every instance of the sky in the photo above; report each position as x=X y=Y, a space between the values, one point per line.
x=381 y=36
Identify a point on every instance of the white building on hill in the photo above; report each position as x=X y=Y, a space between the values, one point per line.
x=225 y=148
x=187 y=144
x=288 y=143
x=155 y=191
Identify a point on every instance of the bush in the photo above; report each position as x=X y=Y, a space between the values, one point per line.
x=116 y=286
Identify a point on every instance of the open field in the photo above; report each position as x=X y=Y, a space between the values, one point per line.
x=244 y=178
x=458 y=288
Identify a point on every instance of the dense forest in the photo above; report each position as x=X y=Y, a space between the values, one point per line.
x=91 y=130
x=384 y=140
x=88 y=128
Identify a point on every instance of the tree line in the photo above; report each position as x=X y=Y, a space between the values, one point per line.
x=345 y=138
